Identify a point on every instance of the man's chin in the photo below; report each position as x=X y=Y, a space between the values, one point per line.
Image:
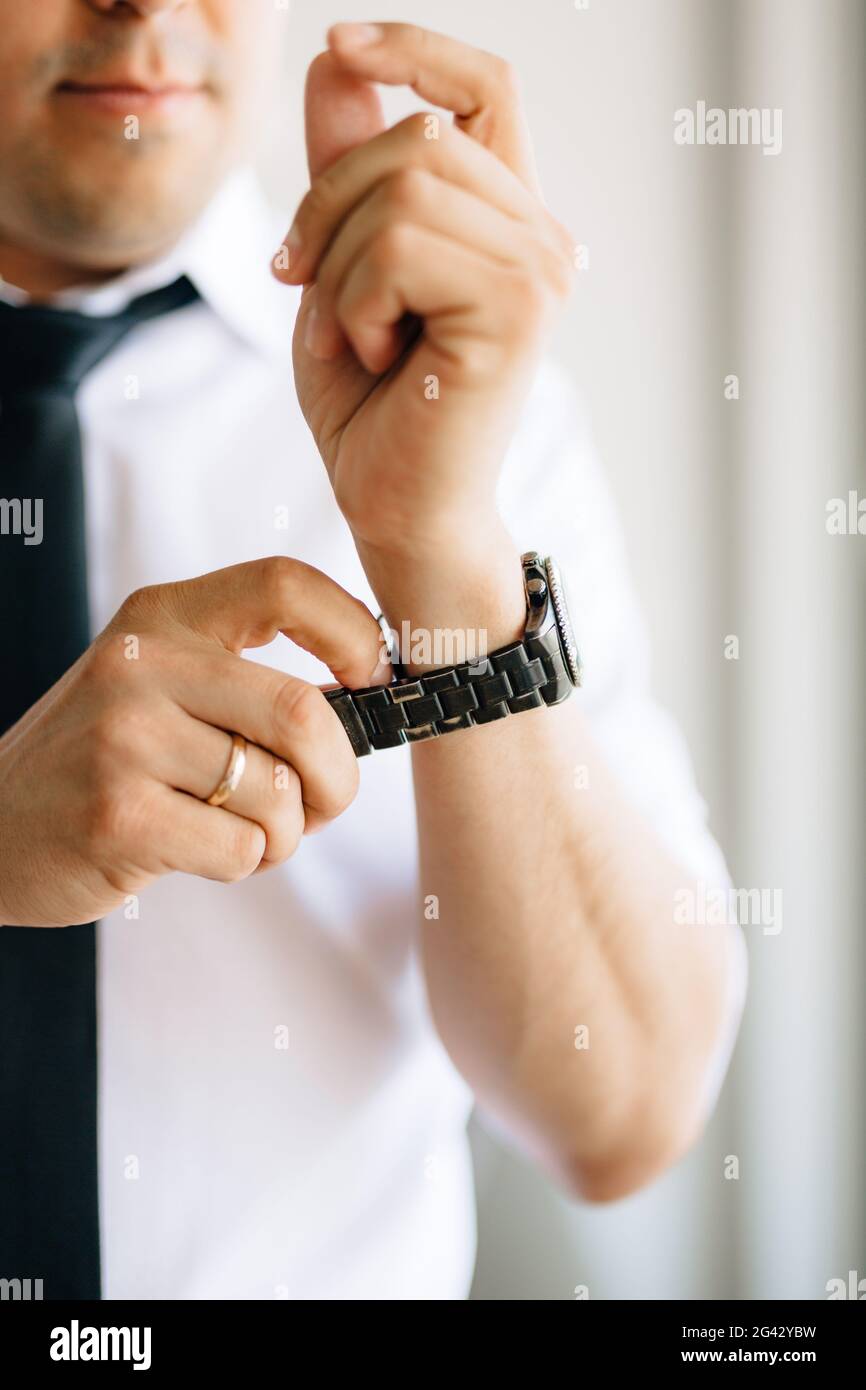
x=126 y=217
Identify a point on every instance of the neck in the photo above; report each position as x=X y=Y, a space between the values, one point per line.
x=41 y=275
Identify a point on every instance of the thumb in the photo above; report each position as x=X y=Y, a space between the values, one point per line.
x=246 y=605
x=341 y=111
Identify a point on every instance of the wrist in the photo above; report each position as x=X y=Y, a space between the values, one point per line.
x=449 y=601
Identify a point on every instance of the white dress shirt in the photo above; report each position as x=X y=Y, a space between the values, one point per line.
x=277 y=1116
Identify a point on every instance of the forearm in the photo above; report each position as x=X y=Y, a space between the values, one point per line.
x=556 y=913
x=555 y=904
x=581 y=1013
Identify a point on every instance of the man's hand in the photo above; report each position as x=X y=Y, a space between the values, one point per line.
x=431 y=269
x=432 y=266
x=101 y=782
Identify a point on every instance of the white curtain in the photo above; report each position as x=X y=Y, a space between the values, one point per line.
x=799 y=720
x=780 y=284
x=706 y=262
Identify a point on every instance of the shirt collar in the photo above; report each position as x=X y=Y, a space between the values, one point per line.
x=226 y=254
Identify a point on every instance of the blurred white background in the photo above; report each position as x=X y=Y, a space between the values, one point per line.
x=707 y=261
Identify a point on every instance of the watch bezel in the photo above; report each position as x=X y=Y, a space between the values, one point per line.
x=565 y=630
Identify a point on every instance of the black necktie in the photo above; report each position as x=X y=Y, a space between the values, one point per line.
x=49 y=1220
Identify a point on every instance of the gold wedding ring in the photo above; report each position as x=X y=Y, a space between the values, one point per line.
x=230 y=780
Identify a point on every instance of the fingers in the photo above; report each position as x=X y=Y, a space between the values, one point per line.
x=479 y=314
x=480 y=88
x=192 y=633
x=288 y=718
x=422 y=199
x=248 y=605
x=341 y=111
x=208 y=841
x=406 y=145
x=192 y=757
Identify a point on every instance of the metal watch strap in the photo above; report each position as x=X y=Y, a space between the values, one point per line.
x=524 y=675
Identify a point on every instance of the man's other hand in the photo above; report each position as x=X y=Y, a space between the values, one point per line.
x=104 y=782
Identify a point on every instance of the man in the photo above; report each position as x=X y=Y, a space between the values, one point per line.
x=285 y=1067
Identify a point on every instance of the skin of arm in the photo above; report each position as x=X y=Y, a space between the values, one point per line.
x=555 y=905
x=555 y=912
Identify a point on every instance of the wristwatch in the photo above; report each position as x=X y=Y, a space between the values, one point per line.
x=541 y=669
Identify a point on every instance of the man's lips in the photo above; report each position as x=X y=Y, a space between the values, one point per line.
x=126 y=96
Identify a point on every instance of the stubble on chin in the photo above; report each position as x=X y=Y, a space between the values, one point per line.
x=106 y=208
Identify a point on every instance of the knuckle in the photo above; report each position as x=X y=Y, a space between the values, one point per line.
x=480 y=359
x=140 y=605
x=343 y=778
x=406 y=190
x=406 y=34
x=393 y=245
x=343 y=787
x=284 y=818
x=117 y=660
x=112 y=731
x=101 y=663
x=506 y=76
x=318 y=203
x=279 y=575
x=244 y=851
x=299 y=710
x=111 y=818
x=528 y=303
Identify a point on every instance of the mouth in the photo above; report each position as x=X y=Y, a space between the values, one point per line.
x=128 y=95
